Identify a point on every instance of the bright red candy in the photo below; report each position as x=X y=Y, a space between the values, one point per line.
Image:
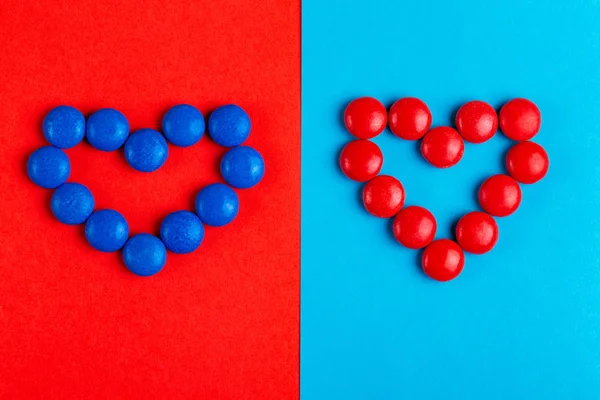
x=477 y=232
x=443 y=260
x=361 y=160
x=476 y=121
x=365 y=117
x=383 y=196
x=500 y=195
x=409 y=118
x=527 y=162
x=443 y=147
x=520 y=119
x=414 y=227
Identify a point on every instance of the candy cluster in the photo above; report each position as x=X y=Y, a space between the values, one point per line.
x=145 y=150
x=476 y=122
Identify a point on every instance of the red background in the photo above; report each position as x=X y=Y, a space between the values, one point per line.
x=221 y=323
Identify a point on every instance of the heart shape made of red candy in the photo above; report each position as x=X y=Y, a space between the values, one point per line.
x=476 y=121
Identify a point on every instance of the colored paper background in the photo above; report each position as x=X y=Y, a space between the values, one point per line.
x=221 y=323
x=521 y=322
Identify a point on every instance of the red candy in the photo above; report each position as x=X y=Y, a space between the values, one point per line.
x=443 y=260
x=361 y=160
x=520 y=119
x=443 y=147
x=477 y=232
x=365 y=117
x=383 y=196
x=476 y=121
x=527 y=162
x=500 y=195
x=409 y=118
x=414 y=227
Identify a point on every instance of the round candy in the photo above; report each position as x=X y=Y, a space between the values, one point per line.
x=409 y=118
x=476 y=121
x=443 y=260
x=527 y=162
x=242 y=167
x=229 y=125
x=443 y=147
x=106 y=230
x=500 y=195
x=217 y=204
x=182 y=232
x=107 y=129
x=64 y=127
x=383 y=196
x=365 y=117
x=477 y=232
x=520 y=119
x=183 y=125
x=146 y=150
x=144 y=255
x=414 y=227
x=361 y=160
x=48 y=167
x=72 y=203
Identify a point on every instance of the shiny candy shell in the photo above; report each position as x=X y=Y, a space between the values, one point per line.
x=443 y=260
x=442 y=147
x=361 y=160
x=500 y=195
x=477 y=232
x=476 y=121
x=520 y=119
x=414 y=227
x=365 y=117
x=527 y=162
x=383 y=196
x=409 y=118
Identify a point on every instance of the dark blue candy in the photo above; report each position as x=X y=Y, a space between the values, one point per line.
x=217 y=204
x=183 y=125
x=72 y=203
x=48 y=167
x=144 y=254
x=182 y=232
x=106 y=230
x=146 y=150
x=242 y=167
x=229 y=125
x=64 y=127
x=107 y=129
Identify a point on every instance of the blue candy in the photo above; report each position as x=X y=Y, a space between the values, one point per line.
x=146 y=150
x=229 y=125
x=242 y=167
x=144 y=254
x=217 y=204
x=48 y=167
x=183 y=125
x=182 y=232
x=64 y=127
x=106 y=230
x=107 y=129
x=72 y=203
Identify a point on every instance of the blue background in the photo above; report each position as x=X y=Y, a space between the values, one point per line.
x=521 y=322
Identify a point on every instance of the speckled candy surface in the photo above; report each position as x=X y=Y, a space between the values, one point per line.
x=72 y=203
x=106 y=230
x=107 y=129
x=146 y=150
x=229 y=125
x=182 y=232
x=144 y=255
x=183 y=125
x=217 y=204
x=64 y=127
x=48 y=167
x=242 y=167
